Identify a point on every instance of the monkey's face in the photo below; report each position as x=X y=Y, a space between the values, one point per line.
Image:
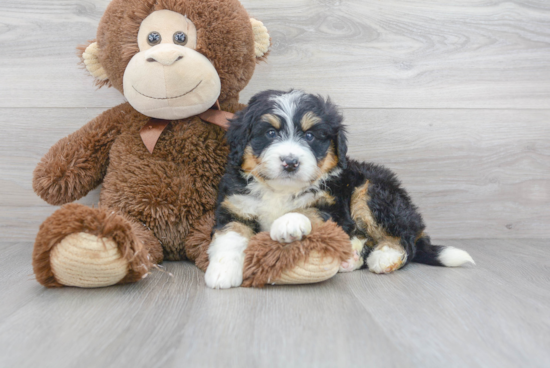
x=168 y=78
x=173 y=59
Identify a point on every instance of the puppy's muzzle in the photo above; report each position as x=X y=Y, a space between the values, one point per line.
x=290 y=163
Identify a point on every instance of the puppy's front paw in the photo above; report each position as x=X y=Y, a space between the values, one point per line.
x=352 y=264
x=385 y=259
x=224 y=273
x=290 y=227
x=226 y=256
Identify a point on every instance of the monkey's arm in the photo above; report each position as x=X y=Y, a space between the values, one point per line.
x=77 y=164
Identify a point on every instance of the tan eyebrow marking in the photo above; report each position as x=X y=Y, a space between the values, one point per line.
x=273 y=120
x=309 y=120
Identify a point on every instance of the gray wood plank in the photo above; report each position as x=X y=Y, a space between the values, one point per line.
x=468 y=308
x=473 y=173
x=453 y=97
x=19 y=287
x=367 y=53
x=26 y=140
x=492 y=315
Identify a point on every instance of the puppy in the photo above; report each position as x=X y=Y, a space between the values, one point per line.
x=288 y=170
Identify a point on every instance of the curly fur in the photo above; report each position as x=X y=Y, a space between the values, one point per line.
x=266 y=260
x=136 y=244
x=166 y=194
x=198 y=241
x=365 y=199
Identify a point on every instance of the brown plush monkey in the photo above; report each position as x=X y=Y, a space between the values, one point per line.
x=160 y=156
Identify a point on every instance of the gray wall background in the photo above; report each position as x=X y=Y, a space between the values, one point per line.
x=453 y=97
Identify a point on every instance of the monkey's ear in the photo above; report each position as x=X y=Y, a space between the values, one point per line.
x=262 y=41
x=90 y=58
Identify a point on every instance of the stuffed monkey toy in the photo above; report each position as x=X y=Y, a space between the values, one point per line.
x=181 y=65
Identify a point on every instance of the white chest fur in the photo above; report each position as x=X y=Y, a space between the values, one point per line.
x=267 y=205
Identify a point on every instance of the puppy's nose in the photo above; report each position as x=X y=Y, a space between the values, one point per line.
x=290 y=163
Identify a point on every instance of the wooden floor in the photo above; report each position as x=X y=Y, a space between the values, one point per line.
x=452 y=95
x=495 y=314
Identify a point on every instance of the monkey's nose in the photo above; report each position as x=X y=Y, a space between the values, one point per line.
x=290 y=163
x=165 y=57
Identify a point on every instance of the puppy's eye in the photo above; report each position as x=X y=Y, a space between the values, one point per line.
x=271 y=133
x=180 y=38
x=309 y=137
x=153 y=38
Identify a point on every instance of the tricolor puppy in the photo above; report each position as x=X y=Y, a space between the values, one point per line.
x=288 y=170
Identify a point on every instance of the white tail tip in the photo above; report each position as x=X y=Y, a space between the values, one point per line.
x=454 y=257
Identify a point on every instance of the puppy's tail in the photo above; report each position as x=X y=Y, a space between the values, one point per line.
x=439 y=255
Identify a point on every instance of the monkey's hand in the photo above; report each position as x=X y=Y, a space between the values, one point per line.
x=77 y=164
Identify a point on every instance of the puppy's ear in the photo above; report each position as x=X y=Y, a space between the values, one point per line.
x=335 y=118
x=342 y=147
x=240 y=127
x=237 y=137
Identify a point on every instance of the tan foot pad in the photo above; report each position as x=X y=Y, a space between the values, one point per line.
x=317 y=268
x=84 y=260
x=315 y=258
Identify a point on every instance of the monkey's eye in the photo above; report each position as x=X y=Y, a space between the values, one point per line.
x=309 y=137
x=271 y=133
x=180 y=38
x=153 y=38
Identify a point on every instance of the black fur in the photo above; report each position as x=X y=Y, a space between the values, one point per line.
x=246 y=126
x=389 y=203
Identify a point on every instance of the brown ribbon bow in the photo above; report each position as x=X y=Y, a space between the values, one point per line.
x=217 y=116
x=151 y=132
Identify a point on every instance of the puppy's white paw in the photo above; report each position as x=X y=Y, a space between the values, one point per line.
x=352 y=264
x=385 y=259
x=355 y=262
x=226 y=256
x=224 y=273
x=290 y=227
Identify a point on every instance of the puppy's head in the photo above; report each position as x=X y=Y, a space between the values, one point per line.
x=288 y=140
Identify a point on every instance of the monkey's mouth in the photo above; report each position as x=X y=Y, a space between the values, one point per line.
x=168 y=98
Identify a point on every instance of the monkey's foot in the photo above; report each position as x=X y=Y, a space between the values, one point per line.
x=315 y=258
x=316 y=268
x=84 y=260
x=92 y=247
